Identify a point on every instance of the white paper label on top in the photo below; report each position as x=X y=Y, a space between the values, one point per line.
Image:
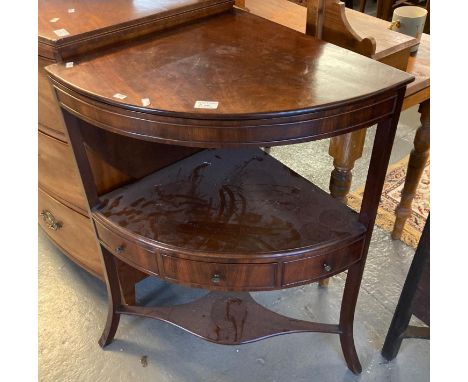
x=206 y=105
x=69 y=65
x=71 y=10
x=61 y=32
x=119 y=96
x=145 y=101
x=54 y=20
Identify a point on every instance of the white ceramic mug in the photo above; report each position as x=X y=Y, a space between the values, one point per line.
x=409 y=20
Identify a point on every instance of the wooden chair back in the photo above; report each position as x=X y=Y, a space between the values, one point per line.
x=326 y=19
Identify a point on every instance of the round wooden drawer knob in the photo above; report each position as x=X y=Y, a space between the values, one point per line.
x=216 y=278
x=120 y=249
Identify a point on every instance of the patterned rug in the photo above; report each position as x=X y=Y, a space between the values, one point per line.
x=391 y=195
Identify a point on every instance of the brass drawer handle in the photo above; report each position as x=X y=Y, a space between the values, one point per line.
x=120 y=249
x=216 y=278
x=50 y=220
x=327 y=267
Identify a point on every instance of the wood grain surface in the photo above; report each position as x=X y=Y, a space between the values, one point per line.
x=295 y=16
x=419 y=66
x=228 y=319
x=238 y=202
x=57 y=173
x=218 y=60
x=230 y=220
x=70 y=29
x=49 y=115
x=75 y=237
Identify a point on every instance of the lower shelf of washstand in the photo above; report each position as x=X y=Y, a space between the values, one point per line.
x=228 y=319
x=230 y=219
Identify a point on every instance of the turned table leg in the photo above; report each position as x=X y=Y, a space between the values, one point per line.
x=346 y=150
x=417 y=161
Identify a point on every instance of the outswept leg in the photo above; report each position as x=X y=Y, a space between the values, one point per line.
x=348 y=306
x=114 y=298
x=112 y=323
x=349 y=352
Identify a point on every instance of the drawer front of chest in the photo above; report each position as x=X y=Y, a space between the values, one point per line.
x=128 y=251
x=220 y=275
x=50 y=118
x=71 y=231
x=309 y=269
x=58 y=174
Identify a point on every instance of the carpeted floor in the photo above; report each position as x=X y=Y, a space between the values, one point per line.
x=390 y=199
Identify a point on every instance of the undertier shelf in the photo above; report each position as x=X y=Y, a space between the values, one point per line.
x=230 y=202
x=228 y=319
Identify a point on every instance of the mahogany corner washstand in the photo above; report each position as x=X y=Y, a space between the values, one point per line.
x=230 y=218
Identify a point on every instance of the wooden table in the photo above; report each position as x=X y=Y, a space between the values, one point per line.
x=417 y=93
x=230 y=218
x=347 y=149
x=345 y=153
x=390 y=46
